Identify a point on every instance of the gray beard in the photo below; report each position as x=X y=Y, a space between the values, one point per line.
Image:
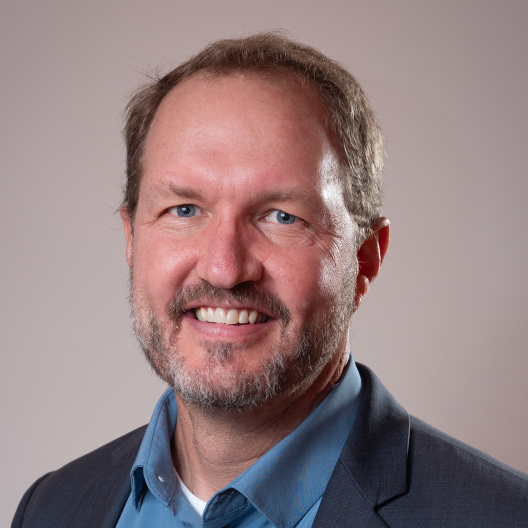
x=295 y=360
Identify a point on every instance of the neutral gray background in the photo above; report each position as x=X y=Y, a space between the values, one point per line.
x=445 y=323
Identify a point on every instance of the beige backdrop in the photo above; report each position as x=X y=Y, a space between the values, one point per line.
x=445 y=323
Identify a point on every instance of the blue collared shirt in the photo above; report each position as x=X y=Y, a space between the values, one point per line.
x=283 y=489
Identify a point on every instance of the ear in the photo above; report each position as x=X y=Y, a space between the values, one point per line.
x=370 y=256
x=127 y=226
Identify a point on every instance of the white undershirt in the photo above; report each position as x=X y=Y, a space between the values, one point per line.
x=197 y=503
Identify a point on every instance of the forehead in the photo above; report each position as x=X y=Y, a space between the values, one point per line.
x=238 y=125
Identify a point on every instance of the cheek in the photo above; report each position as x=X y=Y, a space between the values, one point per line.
x=324 y=273
x=300 y=278
x=341 y=265
x=333 y=279
x=160 y=268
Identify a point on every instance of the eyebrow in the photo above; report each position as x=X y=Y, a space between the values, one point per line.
x=166 y=189
x=302 y=196
x=283 y=196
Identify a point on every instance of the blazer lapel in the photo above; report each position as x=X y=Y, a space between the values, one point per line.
x=343 y=505
x=372 y=467
x=105 y=497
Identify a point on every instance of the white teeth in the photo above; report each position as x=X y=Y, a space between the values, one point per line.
x=219 y=315
x=232 y=317
x=243 y=317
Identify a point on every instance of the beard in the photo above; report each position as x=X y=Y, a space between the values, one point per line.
x=297 y=356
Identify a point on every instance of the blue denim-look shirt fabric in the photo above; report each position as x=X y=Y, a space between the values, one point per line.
x=282 y=489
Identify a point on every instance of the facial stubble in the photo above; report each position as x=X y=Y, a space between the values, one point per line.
x=296 y=358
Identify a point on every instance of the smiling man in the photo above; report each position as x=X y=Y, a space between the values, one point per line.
x=241 y=244
x=252 y=216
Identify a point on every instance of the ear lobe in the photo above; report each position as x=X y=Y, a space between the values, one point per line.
x=127 y=226
x=370 y=256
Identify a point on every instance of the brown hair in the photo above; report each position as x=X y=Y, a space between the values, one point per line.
x=349 y=112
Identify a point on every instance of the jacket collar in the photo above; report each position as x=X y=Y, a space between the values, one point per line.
x=376 y=451
x=371 y=470
x=373 y=465
x=108 y=488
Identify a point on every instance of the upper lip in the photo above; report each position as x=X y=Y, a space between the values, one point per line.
x=227 y=307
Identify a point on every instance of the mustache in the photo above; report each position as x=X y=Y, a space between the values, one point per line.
x=243 y=293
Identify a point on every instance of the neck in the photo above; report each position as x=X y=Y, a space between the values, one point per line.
x=211 y=447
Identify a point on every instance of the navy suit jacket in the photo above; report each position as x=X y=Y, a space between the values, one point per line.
x=394 y=471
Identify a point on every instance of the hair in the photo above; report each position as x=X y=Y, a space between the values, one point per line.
x=350 y=116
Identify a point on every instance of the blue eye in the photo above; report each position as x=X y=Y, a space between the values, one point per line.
x=281 y=217
x=186 y=210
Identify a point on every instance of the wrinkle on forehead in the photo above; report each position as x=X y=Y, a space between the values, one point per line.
x=207 y=105
x=233 y=128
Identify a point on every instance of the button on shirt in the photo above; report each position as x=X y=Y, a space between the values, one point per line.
x=282 y=489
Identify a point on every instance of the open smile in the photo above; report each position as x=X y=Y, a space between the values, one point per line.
x=232 y=316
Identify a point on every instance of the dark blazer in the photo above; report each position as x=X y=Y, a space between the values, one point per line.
x=394 y=471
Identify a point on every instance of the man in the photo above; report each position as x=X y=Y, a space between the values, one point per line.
x=252 y=215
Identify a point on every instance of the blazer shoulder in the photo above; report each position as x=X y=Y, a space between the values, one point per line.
x=397 y=471
x=430 y=442
x=452 y=484
x=54 y=498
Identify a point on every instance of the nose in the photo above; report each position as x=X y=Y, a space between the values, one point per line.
x=228 y=256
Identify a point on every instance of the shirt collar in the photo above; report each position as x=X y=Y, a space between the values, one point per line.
x=153 y=465
x=284 y=483
x=295 y=472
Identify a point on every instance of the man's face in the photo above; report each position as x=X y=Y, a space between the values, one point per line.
x=240 y=210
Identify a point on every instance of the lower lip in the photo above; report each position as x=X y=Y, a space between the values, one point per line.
x=228 y=332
